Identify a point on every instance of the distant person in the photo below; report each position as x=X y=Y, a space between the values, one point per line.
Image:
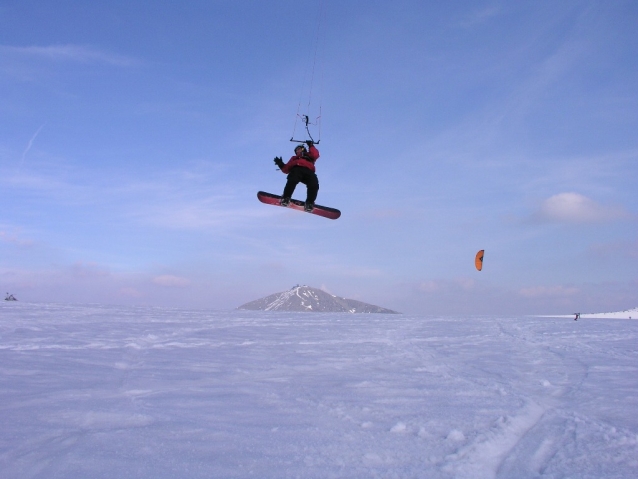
x=301 y=169
x=577 y=315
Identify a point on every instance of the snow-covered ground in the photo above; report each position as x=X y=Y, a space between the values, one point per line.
x=110 y=392
x=628 y=314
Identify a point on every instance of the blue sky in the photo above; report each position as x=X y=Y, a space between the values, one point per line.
x=135 y=135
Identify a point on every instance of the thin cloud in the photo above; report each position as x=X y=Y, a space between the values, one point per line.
x=169 y=280
x=383 y=214
x=430 y=286
x=615 y=249
x=194 y=214
x=444 y=285
x=174 y=202
x=130 y=293
x=480 y=16
x=82 y=269
x=69 y=53
x=29 y=145
x=575 y=208
x=548 y=291
x=15 y=240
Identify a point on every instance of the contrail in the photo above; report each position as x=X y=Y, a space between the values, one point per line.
x=31 y=142
x=29 y=145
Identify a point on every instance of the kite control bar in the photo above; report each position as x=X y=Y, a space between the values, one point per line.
x=306 y=120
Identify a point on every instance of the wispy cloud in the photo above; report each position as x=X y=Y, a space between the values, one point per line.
x=175 y=200
x=478 y=17
x=84 y=269
x=599 y=173
x=69 y=53
x=576 y=208
x=548 y=291
x=132 y=293
x=444 y=285
x=12 y=238
x=615 y=249
x=29 y=145
x=194 y=213
x=171 y=281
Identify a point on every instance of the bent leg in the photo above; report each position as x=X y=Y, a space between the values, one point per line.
x=289 y=189
x=312 y=182
x=294 y=177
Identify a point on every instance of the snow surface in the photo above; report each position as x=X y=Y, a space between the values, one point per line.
x=114 y=392
x=628 y=314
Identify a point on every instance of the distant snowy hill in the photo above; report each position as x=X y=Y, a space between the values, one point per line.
x=628 y=314
x=307 y=299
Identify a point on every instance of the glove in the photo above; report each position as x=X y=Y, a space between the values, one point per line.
x=279 y=162
x=310 y=142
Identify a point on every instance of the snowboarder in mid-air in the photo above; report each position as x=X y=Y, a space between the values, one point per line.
x=301 y=169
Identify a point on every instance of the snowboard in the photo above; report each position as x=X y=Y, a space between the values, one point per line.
x=318 y=210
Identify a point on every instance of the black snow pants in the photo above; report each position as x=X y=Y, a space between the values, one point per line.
x=297 y=175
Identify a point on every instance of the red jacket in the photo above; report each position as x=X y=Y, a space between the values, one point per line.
x=307 y=161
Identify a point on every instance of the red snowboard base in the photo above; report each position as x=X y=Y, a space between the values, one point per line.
x=318 y=210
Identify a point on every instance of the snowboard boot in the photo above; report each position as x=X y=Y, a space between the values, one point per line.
x=308 y=207
x=284 y=201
